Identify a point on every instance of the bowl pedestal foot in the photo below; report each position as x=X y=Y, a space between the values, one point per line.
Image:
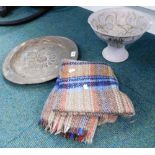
x=114 y=54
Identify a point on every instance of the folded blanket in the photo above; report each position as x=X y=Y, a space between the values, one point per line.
x=86 y=94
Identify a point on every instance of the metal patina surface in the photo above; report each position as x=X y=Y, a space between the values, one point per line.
x=38 y=60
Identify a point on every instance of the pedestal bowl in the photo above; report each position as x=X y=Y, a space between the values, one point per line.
x=118 y=27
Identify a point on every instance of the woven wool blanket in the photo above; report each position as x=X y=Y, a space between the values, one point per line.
x=86 y=94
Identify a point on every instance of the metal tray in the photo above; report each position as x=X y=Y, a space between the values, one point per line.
x=38 y=60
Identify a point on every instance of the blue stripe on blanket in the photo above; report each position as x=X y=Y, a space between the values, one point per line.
x=81 y=78
x=89 y=84
x=82 y=63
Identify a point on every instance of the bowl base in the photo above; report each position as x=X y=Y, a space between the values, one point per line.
x=115 y=54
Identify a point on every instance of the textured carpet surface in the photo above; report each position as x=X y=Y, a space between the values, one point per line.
x=21 y=105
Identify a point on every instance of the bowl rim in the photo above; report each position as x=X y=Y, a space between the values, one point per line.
x=147 y=16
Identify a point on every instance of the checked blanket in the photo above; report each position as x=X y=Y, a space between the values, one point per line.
x=86 y=94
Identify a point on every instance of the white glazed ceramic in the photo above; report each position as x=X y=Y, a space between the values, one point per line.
x=118 y=27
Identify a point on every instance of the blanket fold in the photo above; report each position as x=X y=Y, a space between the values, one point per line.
x=86 y=94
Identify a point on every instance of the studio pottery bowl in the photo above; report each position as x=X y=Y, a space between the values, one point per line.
x=118 y=27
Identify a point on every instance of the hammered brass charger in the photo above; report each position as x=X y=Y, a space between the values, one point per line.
x=38 y=60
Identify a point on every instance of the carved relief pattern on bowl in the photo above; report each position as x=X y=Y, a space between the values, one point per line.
x=119 y=24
